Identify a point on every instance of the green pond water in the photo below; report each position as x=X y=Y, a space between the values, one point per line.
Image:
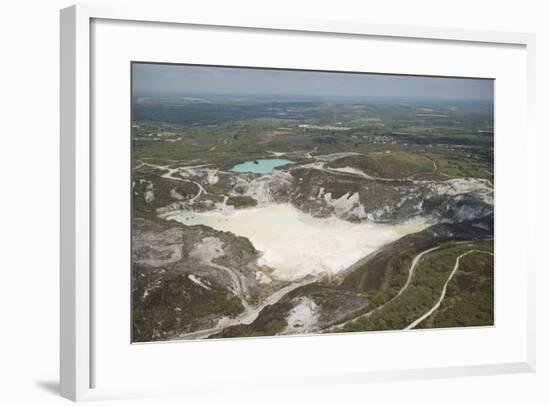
x=261 y=166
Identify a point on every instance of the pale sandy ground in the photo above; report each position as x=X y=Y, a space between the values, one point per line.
x=302 y=318
x=295 y=244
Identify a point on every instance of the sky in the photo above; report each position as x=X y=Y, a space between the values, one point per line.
x=172 y=79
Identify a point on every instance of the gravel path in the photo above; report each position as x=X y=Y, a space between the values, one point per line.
x=444 y=291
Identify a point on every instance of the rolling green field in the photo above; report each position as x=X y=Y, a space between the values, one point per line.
x=394 y=140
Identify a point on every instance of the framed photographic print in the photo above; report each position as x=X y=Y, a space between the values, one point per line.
x=348 y=225
x=294 y=202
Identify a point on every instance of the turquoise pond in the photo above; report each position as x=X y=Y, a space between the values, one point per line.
x=260 y=166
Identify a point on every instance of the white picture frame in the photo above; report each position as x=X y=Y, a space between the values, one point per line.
x=76 y=280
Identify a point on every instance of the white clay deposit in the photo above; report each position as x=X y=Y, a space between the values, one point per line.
x=295 y=244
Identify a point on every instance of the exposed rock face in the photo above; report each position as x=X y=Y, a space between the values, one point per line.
x=303 y=317
x=348 y=205
x=189 y=278
x=149 y=196
x=354 y=198
x=463 y=208
x=349 y=195
x=273 y=187
x=156 y=247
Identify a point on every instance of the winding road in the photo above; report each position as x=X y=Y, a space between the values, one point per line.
x=444 y=291
x=248 y=316
x=412 y=268
x=170 y=175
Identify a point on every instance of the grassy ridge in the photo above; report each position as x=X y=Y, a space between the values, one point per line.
x=469 y=300
x=425 y=288
x=399 y=164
